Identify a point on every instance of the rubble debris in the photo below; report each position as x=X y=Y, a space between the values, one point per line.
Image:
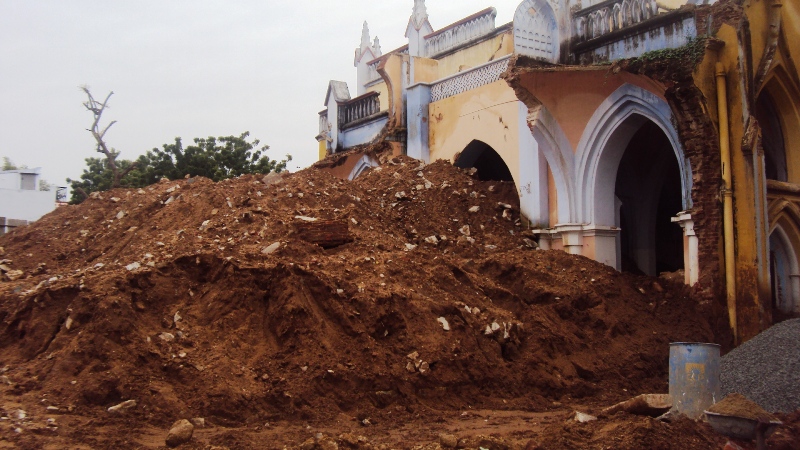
x=180 y=433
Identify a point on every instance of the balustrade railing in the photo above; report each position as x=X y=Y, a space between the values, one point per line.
x=472 y=27
x=611 y=15
x=470 y=79
x=359 y=108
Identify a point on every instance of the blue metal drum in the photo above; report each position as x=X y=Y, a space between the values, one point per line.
x=693 y=377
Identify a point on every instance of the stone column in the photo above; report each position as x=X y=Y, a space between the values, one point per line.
x=571 y=237
x=691 y=265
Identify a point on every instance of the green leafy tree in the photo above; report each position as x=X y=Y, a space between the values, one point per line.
x=215 y=158
x=98 y=176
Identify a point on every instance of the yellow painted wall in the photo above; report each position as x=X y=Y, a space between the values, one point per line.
x=383 y=92
x=476 y=55
x=426 y=70
x=323 y=149
x=391 y=70
x=489 y=114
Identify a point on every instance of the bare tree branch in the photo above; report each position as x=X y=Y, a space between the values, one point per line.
x=97 y=108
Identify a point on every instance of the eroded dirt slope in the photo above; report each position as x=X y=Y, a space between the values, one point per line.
x=198 y=299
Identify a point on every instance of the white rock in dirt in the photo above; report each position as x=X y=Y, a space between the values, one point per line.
x=410 y=246
x=271 y=248
x=474 y=209
x=133 y=266
x=114 y=199
x=14 y=275
x=432 y=240
x=445 y=325
x=120 y=214
x=271 y=178
x=488 y=331
x=199 y=422
x=424 y=367
x=495 y=326
x=18 y=414
x=68 y=323
x=180 y=433
x=127 y=404
x=306 y=218
x=168 y=337
x=204 y=225
x=583 y=417
x=464 y=230
x=177 y=317
x=410 y=367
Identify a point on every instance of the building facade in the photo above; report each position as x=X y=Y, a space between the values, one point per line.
x=653 y=136
x=21 y=201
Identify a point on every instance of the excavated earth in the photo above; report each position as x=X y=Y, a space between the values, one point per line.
x=198 y=299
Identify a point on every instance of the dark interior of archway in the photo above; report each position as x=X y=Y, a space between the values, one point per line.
x=481 y=156
x=648 y=186
x=771 y=138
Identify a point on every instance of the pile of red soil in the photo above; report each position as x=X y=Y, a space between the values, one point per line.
x=198 y=299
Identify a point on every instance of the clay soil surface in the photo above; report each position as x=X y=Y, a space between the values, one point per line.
x=199 y=300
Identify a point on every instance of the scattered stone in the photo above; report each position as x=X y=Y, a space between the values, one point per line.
x=180 y=433
x=270 y=249
x=204 y=225
x=199 y=422
x=120 y=215
x=14 y=275
x=410 y=247
x=18 y=414
x=448 y=440
x=444 y=323
x=127 y=404
x=115 y=199
x=271 y=178
x=306 y=218
x=133 y=266
x=530 y=243
x=474 y=209
x=68 y=323
x=464 y=230
x=168 y=337
x=432 y=240
x=583 y=417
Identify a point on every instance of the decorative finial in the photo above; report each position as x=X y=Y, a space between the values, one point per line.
x=376 y=47
x=420 y=14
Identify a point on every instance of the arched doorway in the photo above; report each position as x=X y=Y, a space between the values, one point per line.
x=486 y=160
x=784 y=273
x=647 y=191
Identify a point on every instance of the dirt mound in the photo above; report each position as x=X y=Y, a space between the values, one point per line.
x=199 y=299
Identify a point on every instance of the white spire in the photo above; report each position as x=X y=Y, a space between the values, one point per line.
x=364 y=36
x=420 y=14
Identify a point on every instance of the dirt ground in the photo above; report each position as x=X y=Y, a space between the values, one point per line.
x=202 y=300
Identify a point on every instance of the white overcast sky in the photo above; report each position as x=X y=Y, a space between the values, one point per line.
x=187 y=68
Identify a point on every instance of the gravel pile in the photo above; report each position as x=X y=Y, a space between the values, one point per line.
x=766 y=369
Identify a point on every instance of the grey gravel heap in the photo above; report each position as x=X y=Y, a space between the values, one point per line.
x=766 y=369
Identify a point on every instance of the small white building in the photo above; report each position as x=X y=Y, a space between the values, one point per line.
x=21 y=201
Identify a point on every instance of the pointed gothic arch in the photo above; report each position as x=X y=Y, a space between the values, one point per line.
x=620 y=186
x=784 y=98
x=784 y=256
